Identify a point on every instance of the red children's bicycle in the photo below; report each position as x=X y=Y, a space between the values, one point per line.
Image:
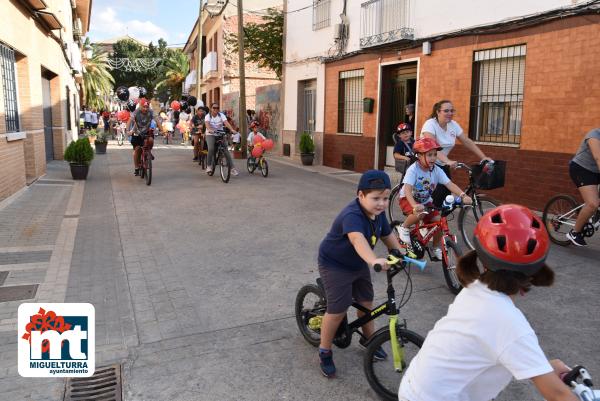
x=146 y=159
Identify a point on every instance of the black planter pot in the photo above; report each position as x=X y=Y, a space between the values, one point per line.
x=79 y=171
x=100 y=147
x=307 y=158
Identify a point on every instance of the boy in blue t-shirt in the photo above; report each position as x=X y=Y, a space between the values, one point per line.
x=346 y=254
x=420 y=181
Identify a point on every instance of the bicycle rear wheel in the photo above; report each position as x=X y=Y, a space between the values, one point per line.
x=449 y=261
x=394 y=210
x=469 y=216
x=309 y=309
x=148 y=168
x=381 y=375
x=559 y=216
x=225 y=168
x=264 y=168
x=142 y=167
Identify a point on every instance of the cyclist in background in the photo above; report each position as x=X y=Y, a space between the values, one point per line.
x=215 y=123
x=139 y=127
x=584 y=170
x=198 y=128
x=484 y=340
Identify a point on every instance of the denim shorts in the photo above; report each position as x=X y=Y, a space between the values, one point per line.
x=342 y=287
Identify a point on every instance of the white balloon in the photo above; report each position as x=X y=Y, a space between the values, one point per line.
x=199 y=103
x=134 y=92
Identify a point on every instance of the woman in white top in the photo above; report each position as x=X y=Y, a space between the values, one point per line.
x=484 y=341
x=441 y=127
x=215 y=121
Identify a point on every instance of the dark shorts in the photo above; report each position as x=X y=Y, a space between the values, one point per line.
x=344 y=286
x=87 y=125
x=581 y=176
x=137 y=140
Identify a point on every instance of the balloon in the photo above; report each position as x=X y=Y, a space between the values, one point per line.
x=257 y=139
x=131 y=105
x=267 y=144
x=257 y=151
x=192 y=101
x=175 y=105
x=184 y=97
x=123 y=93
x=134 y=92
x=143 y=91
x=123 y=115
x=188 y=110
x=183 y=104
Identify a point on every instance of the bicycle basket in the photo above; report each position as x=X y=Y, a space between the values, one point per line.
x=490 y=179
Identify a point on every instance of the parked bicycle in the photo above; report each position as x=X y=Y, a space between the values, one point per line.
x=421 y=235
x=560 y=214
x=120 y=134
x=146 y=159
x=400 y=344
x=486 y=175
x=220 y=157
x=257 y=162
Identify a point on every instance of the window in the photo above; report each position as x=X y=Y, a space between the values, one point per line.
x=350 y=110
x=321 y=14
x=9 y=85
x=497 y=95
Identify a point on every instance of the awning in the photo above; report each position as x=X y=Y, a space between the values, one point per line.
x=50 y=19
x=37 y=4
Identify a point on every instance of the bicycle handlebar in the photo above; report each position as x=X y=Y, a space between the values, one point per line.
x=403 y=261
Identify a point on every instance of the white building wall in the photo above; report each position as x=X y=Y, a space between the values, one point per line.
x=294 y=74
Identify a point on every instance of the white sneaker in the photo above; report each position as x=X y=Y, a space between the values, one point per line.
x=208 y=170
x=437 y=253
x=234 y=172
x=404 y=234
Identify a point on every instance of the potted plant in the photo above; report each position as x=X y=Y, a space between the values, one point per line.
x=91 y=134
x=237 y=151
x=307 y=149
x=79 y=154
x=101 y=142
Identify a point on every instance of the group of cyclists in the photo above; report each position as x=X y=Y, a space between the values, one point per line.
x=484 y=340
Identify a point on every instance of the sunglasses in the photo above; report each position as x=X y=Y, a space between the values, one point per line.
x=215 y=108
x=448 y=111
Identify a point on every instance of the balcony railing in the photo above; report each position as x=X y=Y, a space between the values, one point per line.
x=209 y=66
x=385 y=21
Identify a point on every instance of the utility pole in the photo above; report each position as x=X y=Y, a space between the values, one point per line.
x=243 y=123
x=199 y=56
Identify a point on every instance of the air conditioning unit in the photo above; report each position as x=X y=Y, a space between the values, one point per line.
x=77 y=32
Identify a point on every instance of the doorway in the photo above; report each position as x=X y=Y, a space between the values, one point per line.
x=398 y=88
x=47 y=112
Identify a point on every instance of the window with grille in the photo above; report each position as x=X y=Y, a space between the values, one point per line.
x=321 y=14
x=9 y=85
x=497 y=95
x=350 y=97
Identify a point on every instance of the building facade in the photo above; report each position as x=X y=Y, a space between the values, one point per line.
x=514 y=79
x=40 y=61
x=220 y=73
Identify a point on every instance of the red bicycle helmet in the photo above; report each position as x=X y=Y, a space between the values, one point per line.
x=511 y=237
x=424 y=145
x=254 y=124
x=403 y=127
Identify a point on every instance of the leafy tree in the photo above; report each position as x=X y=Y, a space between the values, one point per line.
x=97 y=78
x=263 y=42
x=176 y=69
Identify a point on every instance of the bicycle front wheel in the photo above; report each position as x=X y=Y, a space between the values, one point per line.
x=225 y=168
x=449 y=261
x=381 y=375
x=559 y=216
x=213 y=165
x=251 y=164
x=264 y=168
x=148 y=168
x=309 y=309
x=120 y=139
x=469 y=216
x=394 y=210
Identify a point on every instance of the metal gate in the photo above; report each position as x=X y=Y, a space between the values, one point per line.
x=309 y=107
x=47 y=105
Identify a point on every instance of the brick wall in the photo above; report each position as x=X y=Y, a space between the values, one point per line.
x=12 y=161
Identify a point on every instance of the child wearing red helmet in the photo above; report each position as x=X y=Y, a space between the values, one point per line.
x=420 y=181
x=484 y=340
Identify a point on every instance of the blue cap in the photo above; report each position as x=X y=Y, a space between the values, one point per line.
x=374 y=179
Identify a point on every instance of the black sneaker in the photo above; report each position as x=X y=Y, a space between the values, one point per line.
x=195 y=159
x=136 y=171
x=379 y=354
x=327 y=365
x=576 y=238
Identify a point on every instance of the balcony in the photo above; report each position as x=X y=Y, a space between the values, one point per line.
x=385 y=21
x=209 y=67
x=190 y=80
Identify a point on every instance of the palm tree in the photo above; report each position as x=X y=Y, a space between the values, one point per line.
x=97 y=80
x=177 y=68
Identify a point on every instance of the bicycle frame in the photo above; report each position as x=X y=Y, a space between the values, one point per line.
x=432 y=229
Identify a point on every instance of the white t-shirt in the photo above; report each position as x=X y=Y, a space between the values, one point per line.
x=445 y=138
x=87 y=116
x=94 y=117
x=214 y=123
x=423 y=182
x=236 y=138
x=251 y=136
x=473 y=352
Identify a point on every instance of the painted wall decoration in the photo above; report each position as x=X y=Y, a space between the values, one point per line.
x=230 y=105
x=268 y=111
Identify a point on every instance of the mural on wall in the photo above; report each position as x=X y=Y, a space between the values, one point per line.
x=230 y=105
x=268 y=111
